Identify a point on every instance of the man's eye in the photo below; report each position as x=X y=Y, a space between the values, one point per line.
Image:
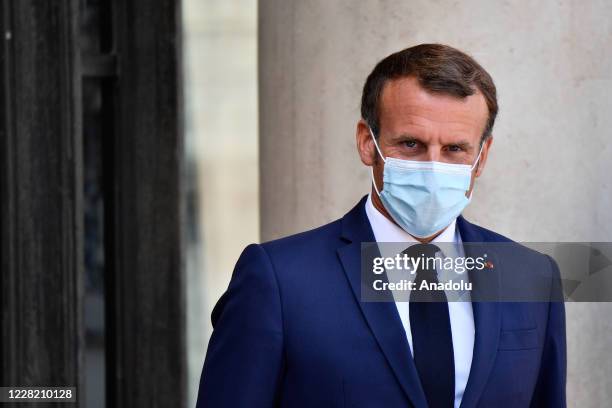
x=410 y=143
x=454 y=148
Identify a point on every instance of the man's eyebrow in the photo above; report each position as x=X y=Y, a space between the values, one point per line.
x=462 y=144
x=406 y=136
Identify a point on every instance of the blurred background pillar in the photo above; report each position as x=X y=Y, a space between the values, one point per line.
x=548 y=175
x=220 y=69
x=41 y=272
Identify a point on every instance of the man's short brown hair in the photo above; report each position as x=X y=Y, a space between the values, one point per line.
x=439 y=69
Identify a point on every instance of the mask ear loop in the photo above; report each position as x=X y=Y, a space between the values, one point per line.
x=474 y=165
x=477 y=158
x=372 y=167
x=376 y=144
x=373 y=181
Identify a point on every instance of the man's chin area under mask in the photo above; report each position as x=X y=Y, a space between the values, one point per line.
x=381 y=208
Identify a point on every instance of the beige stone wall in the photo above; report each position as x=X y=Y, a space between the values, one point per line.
x=548 y=177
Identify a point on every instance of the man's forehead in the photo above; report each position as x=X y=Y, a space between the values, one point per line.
x=405 y=103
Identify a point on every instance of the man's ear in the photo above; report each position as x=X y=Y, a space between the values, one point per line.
x=365 y=144
x=484 y=155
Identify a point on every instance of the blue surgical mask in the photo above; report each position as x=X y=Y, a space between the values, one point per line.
x=424 y=197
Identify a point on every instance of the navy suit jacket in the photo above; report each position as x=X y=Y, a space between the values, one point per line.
x=291 y=331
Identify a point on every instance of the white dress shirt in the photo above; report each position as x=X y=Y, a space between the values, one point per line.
x=460 y=313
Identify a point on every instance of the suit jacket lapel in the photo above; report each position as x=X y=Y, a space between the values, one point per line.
x=382 y=317
x=487 y=316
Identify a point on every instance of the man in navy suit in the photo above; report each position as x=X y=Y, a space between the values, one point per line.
x=292 y=329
